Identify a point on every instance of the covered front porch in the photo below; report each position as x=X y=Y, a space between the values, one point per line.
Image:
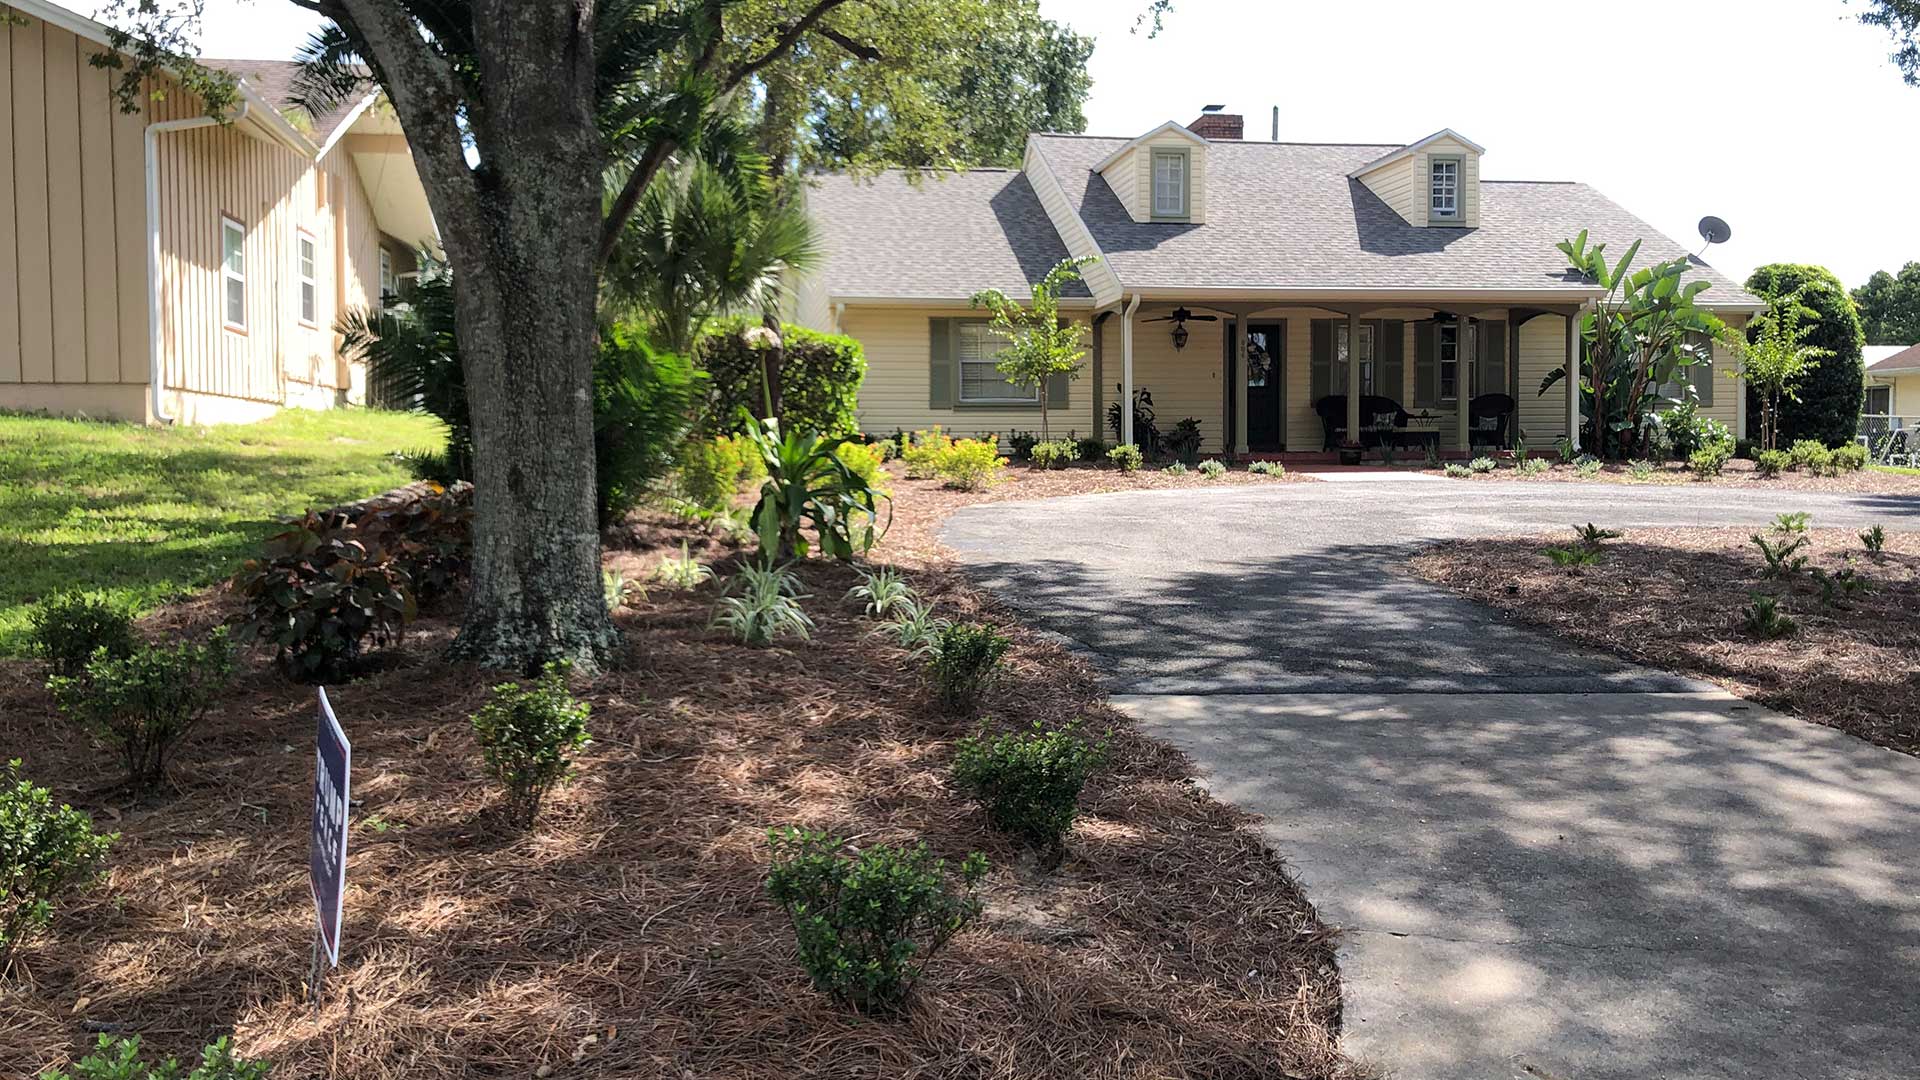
x=1267 y=377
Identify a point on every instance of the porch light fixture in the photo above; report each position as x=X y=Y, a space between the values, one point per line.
x=1179 y=336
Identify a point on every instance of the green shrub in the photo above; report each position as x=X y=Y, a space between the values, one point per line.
x=1183 y=442
x=810 y=488
x=1810 y=455
x=1091 y=449
x=964 y=660
x=642 y=397
x=1178 y=468
x=1849 y=458
x=868 y=923
x=147 y=701
x=969 y=464
x=762 y=605
x=1572 y=557
x=1826 y=401
x=1267 y=468
x=1057 y=454
x=320 y=595
x=868 y=462
x=1763 y=618
x=683 y=571
x=1534 y=466
x=1020 y=444
x=1797 y=521
x=1213 y=468
x=1838 y=589
x=820 y=376
x=710 y=473
x=1784 y=558
x=1029 y=782
x=923 y=451
x=45 y=851
x=1482 y=464
x=118 y=1058
x=1709 y=461
x=881 y=591
x=528 y=734
x=1591 y=535
x=1587 y=465
x=1874 y=539
x=1127 y=458
x=1457 y=470
x=1563 y=447
x=1771 y=463
x=1640 y=470
x=431 y=537
x=65 y=631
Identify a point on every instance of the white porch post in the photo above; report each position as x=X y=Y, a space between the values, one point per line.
x=1353 y=377
x=1466 y=346
x=1240 y=391
x=1573 y=377
x=1126 y=370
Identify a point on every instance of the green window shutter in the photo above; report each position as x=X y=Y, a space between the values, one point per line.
x=1389 y=359
x=942 y=371
x=1321 y=362
x=1703 y=373
x=1493 y=357
x=1058 y=396
x=1426 y=365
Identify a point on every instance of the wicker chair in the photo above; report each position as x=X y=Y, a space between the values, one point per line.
x=1489 y=419
x=1332 y=411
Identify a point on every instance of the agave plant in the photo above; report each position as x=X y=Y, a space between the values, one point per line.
x=883 y=590
x=763 y=604
x=808 y=486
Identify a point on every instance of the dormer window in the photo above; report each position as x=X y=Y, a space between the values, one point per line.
x=1443 y=185
x=1171 y=200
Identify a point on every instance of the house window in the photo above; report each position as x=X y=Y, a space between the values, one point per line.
x=1447 y=352
x=305 y=270
x=1170 y=184
x=233 y=272
x=1879 y=402
x=1444 y=188
x=1366 y=358
x=389 y=285
x=981 y=382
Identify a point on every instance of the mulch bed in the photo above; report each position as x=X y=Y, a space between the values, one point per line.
x=1738 y=473
x=629 y=933
x=1672 y=599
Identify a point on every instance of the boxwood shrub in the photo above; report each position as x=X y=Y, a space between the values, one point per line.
x=820 y=378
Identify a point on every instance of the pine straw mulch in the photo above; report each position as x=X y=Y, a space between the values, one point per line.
x=629 y=935
x=1739 y=473
x=1672 y=599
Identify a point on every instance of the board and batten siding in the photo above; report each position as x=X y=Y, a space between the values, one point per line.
x=897 y=343
x=72 y=226
x=1543 y=347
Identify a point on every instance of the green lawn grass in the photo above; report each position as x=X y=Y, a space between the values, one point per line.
x=1901 y=469
x=147 y=514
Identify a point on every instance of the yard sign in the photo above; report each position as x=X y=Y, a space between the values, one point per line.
x=327 y=857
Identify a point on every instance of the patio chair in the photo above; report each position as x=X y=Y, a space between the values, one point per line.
x=1378 y=417
x=1489 y=417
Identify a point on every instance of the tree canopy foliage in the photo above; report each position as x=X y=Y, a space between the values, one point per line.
x=1827 y=407
x=1890 y=306
x=1900 y=18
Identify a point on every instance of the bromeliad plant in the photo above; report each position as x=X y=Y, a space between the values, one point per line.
x=808 y=486
x=1645 y=333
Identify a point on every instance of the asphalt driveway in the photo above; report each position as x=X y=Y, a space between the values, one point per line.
x=1551 y=863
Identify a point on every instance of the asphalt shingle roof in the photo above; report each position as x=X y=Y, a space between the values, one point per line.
x=944 y=237
x=1907 y=359
x=1286 y=215
x=273 y=79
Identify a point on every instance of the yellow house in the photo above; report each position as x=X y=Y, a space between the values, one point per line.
x=161 y=266
x=1893 y=389
x=1283 y=295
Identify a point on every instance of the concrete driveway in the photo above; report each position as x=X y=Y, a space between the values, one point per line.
x=1550 y=863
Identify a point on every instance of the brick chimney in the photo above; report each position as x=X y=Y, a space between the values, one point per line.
x=1214 y=124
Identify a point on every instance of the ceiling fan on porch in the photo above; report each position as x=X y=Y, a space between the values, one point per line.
x=1179 y=318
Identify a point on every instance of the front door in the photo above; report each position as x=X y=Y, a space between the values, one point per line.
x=1266 y=383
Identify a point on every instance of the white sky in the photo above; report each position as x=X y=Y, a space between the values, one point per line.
x=1782 y=116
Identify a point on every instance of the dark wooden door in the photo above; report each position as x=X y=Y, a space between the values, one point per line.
x=1265 y=386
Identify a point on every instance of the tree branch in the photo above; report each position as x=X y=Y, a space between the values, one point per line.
x=783 y=44
x=643 y=173
x=420 y=83
x=859 y=50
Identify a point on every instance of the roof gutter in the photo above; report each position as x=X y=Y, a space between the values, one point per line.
x=156 y=389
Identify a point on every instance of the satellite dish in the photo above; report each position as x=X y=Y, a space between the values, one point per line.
x=1714 y=231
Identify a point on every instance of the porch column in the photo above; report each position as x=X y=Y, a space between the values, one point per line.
x=1240 y=329
x=1466 y=346
x=1353 y=377
x=1573 y=377
x=1126 y=370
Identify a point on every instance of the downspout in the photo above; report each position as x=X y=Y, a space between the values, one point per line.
x=839 y=316
x=155 y=377
x=1126 y=371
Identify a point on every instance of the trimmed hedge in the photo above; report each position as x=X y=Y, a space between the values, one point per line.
x=819 y=381
x=1832 y=389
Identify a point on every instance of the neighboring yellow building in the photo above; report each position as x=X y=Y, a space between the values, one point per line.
x=161 y=267
x=1893 y=389
x=1231 y=277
